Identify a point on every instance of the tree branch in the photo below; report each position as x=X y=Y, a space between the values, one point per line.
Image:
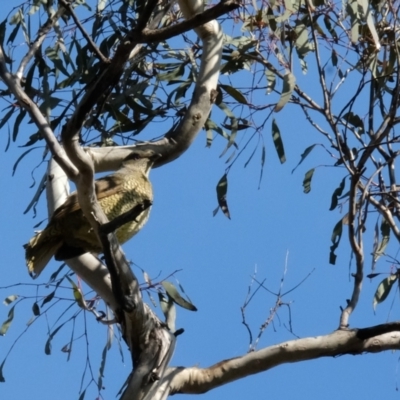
x=352 y=342
x=156 y=35
x=23 y=99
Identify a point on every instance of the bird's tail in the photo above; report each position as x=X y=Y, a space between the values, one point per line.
x=40 y=250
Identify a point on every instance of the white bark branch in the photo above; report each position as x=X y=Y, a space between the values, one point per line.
x=357 y=341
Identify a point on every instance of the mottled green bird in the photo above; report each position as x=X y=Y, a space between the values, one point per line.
x=69 y=234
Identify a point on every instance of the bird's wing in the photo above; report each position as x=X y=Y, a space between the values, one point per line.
x=107 y=186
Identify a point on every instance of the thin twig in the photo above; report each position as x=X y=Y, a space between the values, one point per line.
x=89 y=40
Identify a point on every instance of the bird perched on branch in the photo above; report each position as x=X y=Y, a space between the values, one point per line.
x=69 y=234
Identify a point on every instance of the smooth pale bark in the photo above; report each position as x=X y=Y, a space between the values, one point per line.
x=352 y=342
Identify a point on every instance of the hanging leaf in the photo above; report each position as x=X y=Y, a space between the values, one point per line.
x=271 y=81
x=383 y=289
x=276 y=136
x=17 y=123
x=8 y=300
x=355 y=120
x=385 y=233
x=47 y=347
x=172 y=75
x=307 y=180
x=21 y=157
x=176 y=297
x=336 y=194
x=48 y=298
x=3 y=31
x=306 y=152
x=334 y=58
x=336 y=236
x=102 y=367
x=328 y=26
x=13 y=34
x=55 y=274
x=222 y=189
x=211 y=125
x=262 y=166
x=289 y=82
x=236 y=94
x=371 y=276
x=352 y=10
x=7 y=117
x=36 y=309
x=78 y=295
x=168 y=308
x=7 y=323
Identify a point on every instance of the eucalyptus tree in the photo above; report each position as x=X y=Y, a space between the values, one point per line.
x=92 y=78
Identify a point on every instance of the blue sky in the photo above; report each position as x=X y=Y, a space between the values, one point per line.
x=216 y=258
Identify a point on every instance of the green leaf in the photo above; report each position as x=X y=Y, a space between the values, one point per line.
x=262 y=166
x=385 y=233
x=352 y=10
x=168 y=308
x=336 y=194
x=55 y=274
x=52 y=54
x=17 y=123
x=328 y=25
x=374 y=275
x=7 y=323
x=383 y=289
x=236 y=94
x=354 y=120
x=307 y=180
x=276 y=136
x=303 y=45
x=7 y=117
x=289 y=82
x=222 y=190
x=8 y=300
x=3 y=31
x=48 y=298
x=211 y=125
x=306 y=152
x=172 y=75
x=21 y=157
x=13 y=34
x=176 y=297
x=2 y=379
x=336 y=236
x=334 y=58
x=78 y=295
x=271 y=81
x=36 y=309
x=47 y=347
x=102 y=367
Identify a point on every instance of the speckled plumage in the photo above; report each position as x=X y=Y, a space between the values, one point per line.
x=69 y=233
